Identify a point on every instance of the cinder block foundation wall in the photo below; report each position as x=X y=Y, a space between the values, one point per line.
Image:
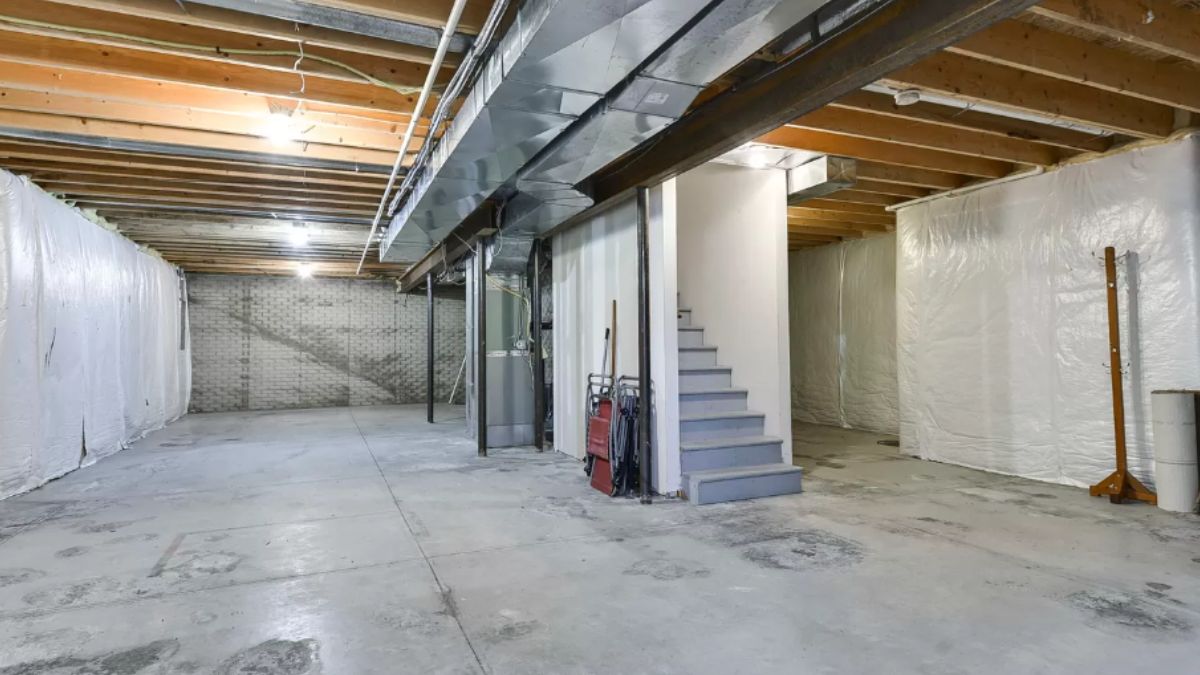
x=268 y=343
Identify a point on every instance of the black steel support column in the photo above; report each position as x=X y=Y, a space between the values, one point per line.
x=643 y=243
x=535 y=333
x=481 y=418
x=429 y=393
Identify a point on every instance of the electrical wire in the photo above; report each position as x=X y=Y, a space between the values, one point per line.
x=299 y=55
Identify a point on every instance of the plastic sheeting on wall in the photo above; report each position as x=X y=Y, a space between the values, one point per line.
x=1002 y=320
x=843 y=328
x=91 y=343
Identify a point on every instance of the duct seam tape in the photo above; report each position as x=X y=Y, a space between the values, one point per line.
x=1176 y=469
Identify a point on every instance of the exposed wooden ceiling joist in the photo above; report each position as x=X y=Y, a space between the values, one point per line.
x=355 y=21
x=1160 y=25
x=39 y=17
x=54 y=81
x=974 y=121
x=89 y=57
x=129 y=131
x=1038 y=50
x=305 y=128
x=257 y=26
x=64 y=172
x=920 y=134
x=886 y=152
x=982 y=82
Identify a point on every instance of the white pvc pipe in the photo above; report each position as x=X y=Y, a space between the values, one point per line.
x=434 y=68
x=1176 y=473
x=1035 y=171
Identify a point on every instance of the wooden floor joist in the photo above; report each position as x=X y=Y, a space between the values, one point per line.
x=106 y=103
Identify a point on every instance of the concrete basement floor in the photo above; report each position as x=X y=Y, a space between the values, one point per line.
x=365 y=541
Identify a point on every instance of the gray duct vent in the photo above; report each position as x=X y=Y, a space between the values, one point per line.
x=570 y=90
x=508 y=254
x=821 y=177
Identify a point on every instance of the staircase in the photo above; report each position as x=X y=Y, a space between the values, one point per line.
x=724 y=451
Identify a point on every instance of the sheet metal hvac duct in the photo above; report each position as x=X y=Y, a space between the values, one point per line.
x=573 y=86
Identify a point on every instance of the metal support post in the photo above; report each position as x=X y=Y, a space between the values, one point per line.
x=429 y=393
x=644 y=386
x=481 y=418
x=535 y=333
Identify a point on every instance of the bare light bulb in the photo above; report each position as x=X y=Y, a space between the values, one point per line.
x=277 y=128
x=304 y=271
x=298 y=236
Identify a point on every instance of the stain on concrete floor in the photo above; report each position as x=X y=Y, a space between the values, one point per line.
x=133 y=661
x=1130 y=616
x=275 y=657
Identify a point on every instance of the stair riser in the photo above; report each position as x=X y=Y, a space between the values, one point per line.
x=691 y=338
x=701 y=404
x=750 y=487
x=685 y=318
x=730 y=457
x=698 y=359
x=702 y=430
x=700 y=381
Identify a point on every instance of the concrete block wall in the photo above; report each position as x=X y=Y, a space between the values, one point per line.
x=267 y=343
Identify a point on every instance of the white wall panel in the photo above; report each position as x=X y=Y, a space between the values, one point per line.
x=733 y=274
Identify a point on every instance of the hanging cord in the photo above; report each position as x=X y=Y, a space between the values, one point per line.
x=299 y=55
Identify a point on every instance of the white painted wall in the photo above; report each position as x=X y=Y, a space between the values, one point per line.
x=733 y=273
x=595 y=263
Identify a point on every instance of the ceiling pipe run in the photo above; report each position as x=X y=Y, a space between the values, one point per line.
x=343 y=20
x=430 y=78
x=1035 y=171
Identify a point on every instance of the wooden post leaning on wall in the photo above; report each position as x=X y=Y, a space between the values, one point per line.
x=1120 y=485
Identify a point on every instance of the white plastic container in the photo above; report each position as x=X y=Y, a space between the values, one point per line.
x=1176 y=472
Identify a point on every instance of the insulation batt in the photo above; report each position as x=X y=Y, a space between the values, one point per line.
x=90 y=344
x=1002 y=315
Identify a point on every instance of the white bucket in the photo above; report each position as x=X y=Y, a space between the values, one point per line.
x=1176 y=471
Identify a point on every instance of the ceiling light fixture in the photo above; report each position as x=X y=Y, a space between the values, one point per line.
x=278 y=129
x=908 y=97
x=298 y=236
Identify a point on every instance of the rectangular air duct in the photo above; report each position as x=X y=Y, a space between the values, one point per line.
x=573 y=86
x=821 y=177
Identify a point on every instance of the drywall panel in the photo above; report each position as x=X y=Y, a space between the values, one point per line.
x=733 y=274
x=843 y=334
x=1002 y=322
x=93 y=345
x=267 y=343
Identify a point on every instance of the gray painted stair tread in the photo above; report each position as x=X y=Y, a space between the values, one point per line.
x=702 y=348
x=691 y=328
x=738 y=415
x=712 y=475
x=706 y=369
x=717 y=390
x=735 y=442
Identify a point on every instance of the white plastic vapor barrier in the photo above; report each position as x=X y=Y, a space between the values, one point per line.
x=92 y=350
x=843 y=334
x=1002 y=319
